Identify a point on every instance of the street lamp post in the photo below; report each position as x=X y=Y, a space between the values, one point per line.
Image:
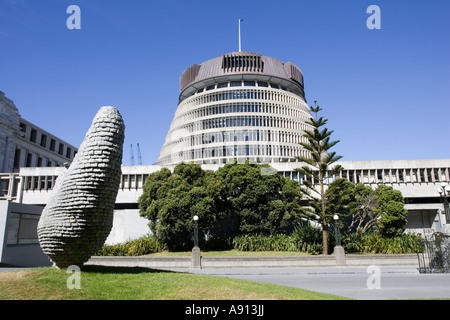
x=336 y=230
x=339 y=251
x=444 y=193
x=195 y=231
x=196 y=256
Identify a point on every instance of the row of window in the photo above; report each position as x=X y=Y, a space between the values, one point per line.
x=381 y=176
x=44 y=142
x=269 y=136
x=39 y=182
x=236 y=151
x=243 y=150
x=249 y=121
x=245 y=83
x=245 y=135
x=397 y=175
x=184 y=136
x=32 y=160
x=241 y=107
x=255 y=94
x=407 y=175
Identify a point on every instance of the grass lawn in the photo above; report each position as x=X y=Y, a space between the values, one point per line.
x=109 y=283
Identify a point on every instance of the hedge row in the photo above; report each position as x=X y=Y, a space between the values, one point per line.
x=373 y=243
x=352 y=243
x=307 y=240
x=279 y=242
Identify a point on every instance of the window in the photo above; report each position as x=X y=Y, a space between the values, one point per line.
x=210 y=87
x=249 y=83
x=22 y=228
x=68 y=152
x=29 y=158
x=222 y=85
x=17 y=159
x=61 y=149
x=33 y=135
x=52 y=145
x=43 y=140
x=235 y=83
x=23 y=127
x=262 y=84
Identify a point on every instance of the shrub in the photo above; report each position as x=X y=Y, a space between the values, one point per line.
x=374 y=243
x=258 y=242
x=278 y=242
x=216 y=243
x=138 y=247
x=309 y=238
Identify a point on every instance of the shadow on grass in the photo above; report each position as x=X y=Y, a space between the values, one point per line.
x=118 y=270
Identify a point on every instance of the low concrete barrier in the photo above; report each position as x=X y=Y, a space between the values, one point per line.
x=352 y=260
x=141 y=261
x=382 y=260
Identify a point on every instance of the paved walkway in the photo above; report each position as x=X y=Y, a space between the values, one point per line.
x=360 y=283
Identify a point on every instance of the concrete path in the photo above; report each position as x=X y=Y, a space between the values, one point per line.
x=362 y=283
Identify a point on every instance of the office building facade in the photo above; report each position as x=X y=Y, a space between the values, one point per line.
x=24 y=144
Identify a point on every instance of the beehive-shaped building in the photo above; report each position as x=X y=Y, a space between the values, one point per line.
x=239 y=106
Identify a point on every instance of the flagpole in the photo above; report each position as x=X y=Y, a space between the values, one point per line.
x=240 y=34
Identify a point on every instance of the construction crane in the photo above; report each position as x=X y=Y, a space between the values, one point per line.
x=131 y=155
x=139 y=155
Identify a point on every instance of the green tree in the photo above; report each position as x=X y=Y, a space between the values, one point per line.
x=171 y=200
x=259 y=200
x=391 y=211
x=339 y=198
x=364 y=213
x=320 y=166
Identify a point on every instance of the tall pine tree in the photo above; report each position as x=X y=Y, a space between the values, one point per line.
x=317 y=169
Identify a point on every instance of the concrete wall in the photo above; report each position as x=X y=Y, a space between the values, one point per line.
x=127 y=225
x=14 y=250
x=299 y=261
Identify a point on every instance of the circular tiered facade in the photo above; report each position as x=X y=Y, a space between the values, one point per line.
x=240 y=106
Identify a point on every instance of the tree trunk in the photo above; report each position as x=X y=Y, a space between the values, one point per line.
x=324 y=238
x=324 y=221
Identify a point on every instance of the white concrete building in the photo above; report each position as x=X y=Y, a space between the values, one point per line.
x=240 y=105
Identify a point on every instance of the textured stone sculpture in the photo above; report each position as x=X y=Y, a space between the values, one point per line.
x=78 y=217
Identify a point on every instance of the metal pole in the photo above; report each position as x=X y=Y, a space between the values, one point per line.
x=336 y=230
x=337 y=233
x=444 y=192
x=195 y=233
x=240 y=34
x=447 y=210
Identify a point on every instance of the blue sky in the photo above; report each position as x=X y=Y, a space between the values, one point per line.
x=385 y=92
